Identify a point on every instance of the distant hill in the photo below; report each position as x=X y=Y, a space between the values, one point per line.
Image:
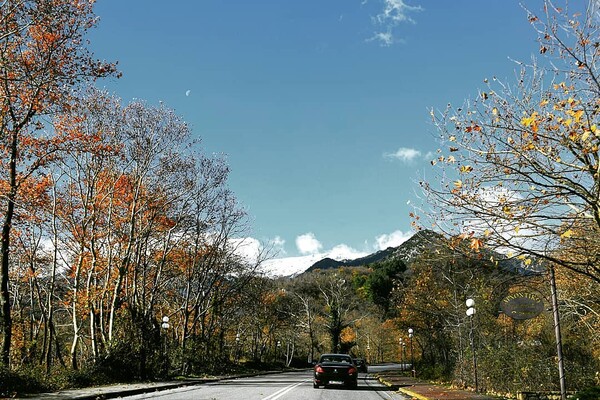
x=407 y=251
x=417 y=244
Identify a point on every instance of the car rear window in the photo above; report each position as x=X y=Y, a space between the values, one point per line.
x=336 y=359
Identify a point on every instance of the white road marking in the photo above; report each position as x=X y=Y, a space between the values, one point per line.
x=283 y=391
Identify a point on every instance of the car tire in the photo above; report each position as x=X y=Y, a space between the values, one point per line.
x=315 y=385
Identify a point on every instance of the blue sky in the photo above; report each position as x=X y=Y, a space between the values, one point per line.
x=320 y=106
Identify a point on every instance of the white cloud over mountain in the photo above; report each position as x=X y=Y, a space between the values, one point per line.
x=308 y=244
x=310 y=247
x=295 y=265
x=393 y=239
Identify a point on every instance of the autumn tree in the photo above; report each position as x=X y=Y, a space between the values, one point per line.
x=42 y=60
x=520 y=166
x=339 y=306
x=305 y=292
x=579 y=296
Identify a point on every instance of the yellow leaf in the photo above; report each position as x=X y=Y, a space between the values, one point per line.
x=458 y=184
x=495 y=111
x=567 y=234
x=585 y=135
x=526 y=121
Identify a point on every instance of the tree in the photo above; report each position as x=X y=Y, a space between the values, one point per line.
x=520 y=167
x=380 y=282
x=305 y=292
x=42 y=60
x=338 y=306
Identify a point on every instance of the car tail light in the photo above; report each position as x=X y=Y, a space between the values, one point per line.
x=351 y=370
x=319 y=369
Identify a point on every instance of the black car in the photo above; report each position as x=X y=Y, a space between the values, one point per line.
x=335 y=369
x=361 y=364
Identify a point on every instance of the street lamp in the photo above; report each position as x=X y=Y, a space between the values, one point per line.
x=368 y=349
x=277 y=350
x=165 y=326
x=412 y=358
x=403 y=353
x=470 y=313
x=237 y=347
x=400 y=344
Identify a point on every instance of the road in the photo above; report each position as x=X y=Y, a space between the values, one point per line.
x=282 y=386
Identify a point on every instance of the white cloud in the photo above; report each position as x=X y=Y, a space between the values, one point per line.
x=308 y=244
x=404 y=154
x=277 y=241
x=249 y=248
x=394 y=12
x=254 y=250
x=288 y=266
x=385 y=38
x=393 y=239
x=277 y=245
x=345 y=252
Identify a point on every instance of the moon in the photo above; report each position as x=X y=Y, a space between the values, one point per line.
x=187 y=92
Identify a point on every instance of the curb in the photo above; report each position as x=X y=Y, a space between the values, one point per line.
x=413 y=394
x=99 y=395
x=402 y=390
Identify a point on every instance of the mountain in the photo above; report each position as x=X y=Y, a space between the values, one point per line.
x=407 y=251
x=291 y=266
x=420 y=241
x=328 y=263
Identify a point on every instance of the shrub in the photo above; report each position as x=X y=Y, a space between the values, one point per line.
x=591 y=393
x=13 y=383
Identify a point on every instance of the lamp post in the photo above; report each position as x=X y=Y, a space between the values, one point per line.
x=470 y=313
x=368 y=349
x=165 y=326
x=400 y=344
x=237 y=347
x=412 y=358
x=403 y=353
x=278 y=349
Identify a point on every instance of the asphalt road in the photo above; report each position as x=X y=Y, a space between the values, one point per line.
x=290 y=385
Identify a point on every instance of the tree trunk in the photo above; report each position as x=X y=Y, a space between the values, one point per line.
x=5 y=317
